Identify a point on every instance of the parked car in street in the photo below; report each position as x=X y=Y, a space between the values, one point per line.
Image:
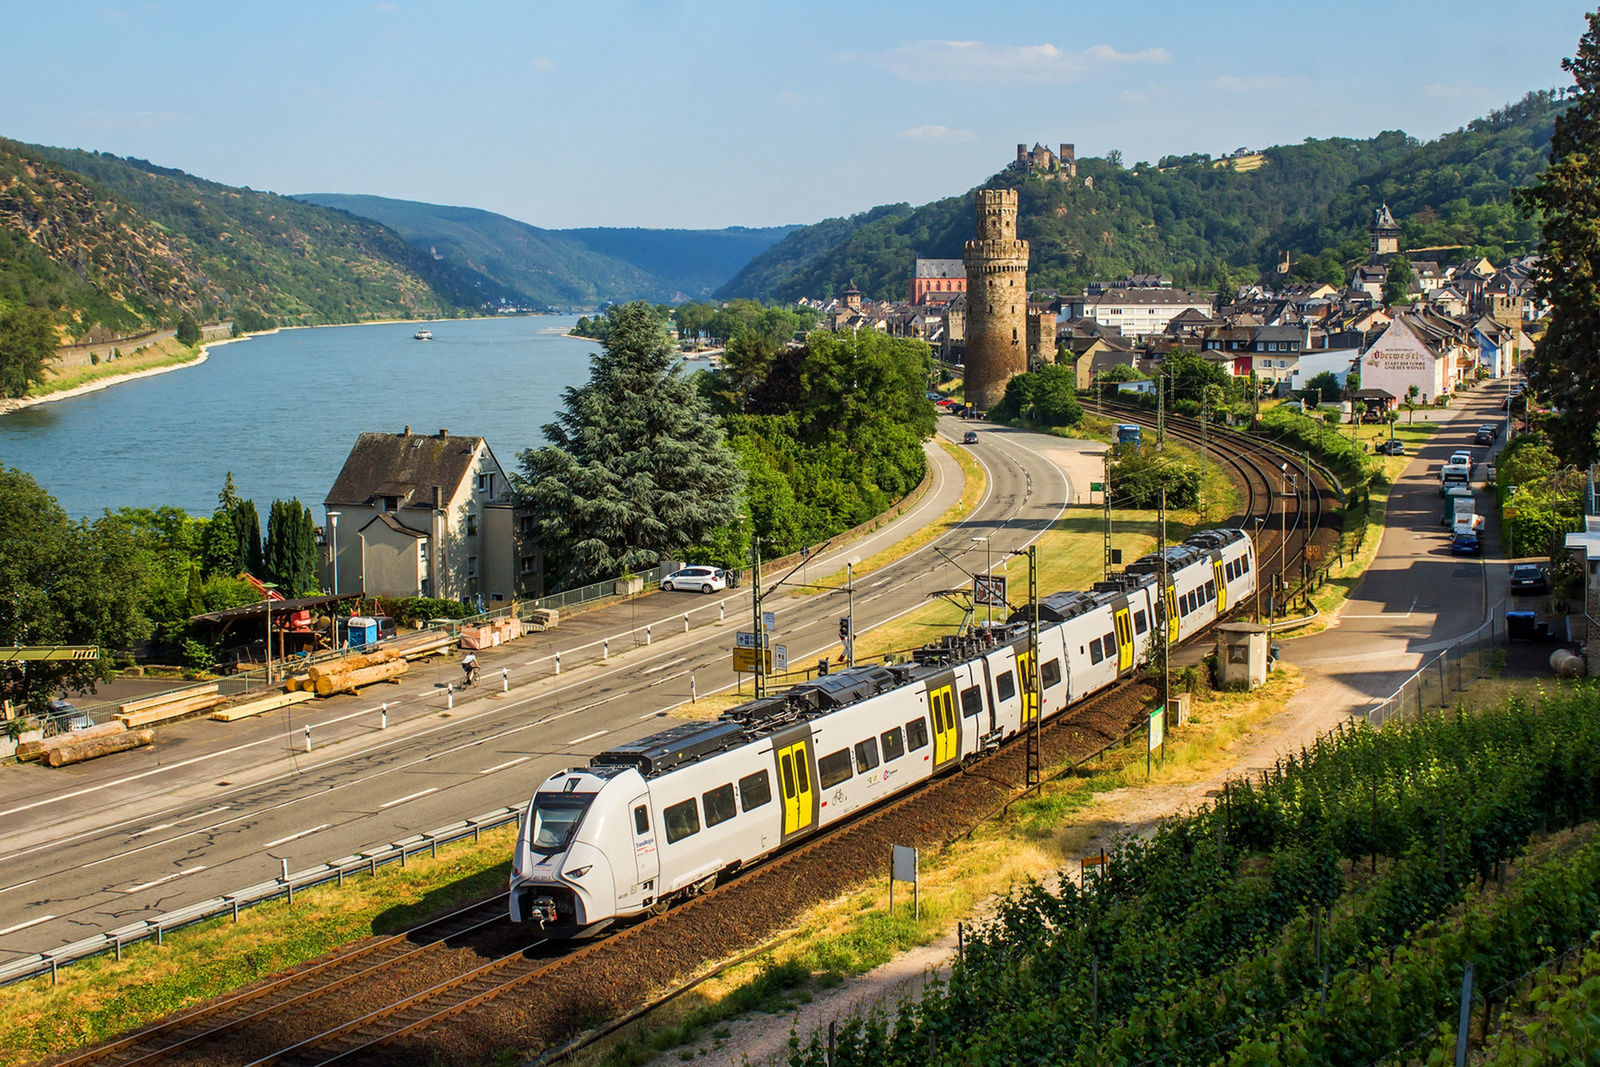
x=970 y=437
x=1466 y=544
x=1392 y=447
x=703 y=579
x=1487 y=433
x=1528 y=579
x=68 y=716
x=1462 y=456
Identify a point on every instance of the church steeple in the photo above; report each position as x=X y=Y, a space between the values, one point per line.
x=1385 y=235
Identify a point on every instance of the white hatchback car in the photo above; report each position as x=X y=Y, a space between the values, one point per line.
x=705 y=579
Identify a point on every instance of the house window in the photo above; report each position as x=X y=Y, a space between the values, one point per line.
x=472 y=524
x=525 y=524
x=529 y=564
x=472 y=566
x=391 y=503
x=486 y=483
x=422 y=555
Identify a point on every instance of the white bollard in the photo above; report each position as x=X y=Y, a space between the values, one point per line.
x=722 y=613
x=308 y=737
x=558 y=663
x=686 y=622
x=605 y=648
x=693 y=697
x=383 y=722
x=450 y=696
x=505 y=680
x=647 y=633
x=285 y=862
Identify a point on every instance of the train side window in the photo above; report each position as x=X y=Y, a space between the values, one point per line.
x=1051 y=672
x=1109 y=642
x=1244 y=564
x=755 y=789
x=719 y=804
x=1095 y=655
x=866 y=754
x=971 y=701
x=1211 y=591
x=802 y=774
x=641 y=819
x=1140 y=623
x=917 y=734
x=682 y=820
x=894 y=744
x=1005 y=685
x=833 y=768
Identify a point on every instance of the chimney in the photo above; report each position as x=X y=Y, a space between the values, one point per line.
x=407 y=433
x=444 y=433
x=1022 y=153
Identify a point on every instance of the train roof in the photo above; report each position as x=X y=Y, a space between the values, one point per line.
x=1192 y=549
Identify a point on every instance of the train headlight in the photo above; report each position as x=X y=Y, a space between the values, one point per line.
x=579 y=872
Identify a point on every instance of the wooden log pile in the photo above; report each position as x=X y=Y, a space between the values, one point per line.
x=349 y=673
x=95 y=747
x=35 y=750
x=166 y=706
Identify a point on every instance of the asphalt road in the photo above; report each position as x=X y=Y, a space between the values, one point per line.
x=213 y=807
x=1416 y=598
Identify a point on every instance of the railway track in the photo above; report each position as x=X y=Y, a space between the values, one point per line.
x=1285 y=525
x=199 y=1031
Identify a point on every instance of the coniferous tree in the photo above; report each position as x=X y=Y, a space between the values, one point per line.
x=290 y=550
x=636 y=467
x=247 y=535
x=1567 y=358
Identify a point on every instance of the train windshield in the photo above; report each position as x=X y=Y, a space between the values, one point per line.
x=555 y=819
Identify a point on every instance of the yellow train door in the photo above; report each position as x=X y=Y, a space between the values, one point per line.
x=1222 y=588
x=946 y=735
x=1124 y=640
x=1027 y=683
x=794 y=776
x=1172 y=613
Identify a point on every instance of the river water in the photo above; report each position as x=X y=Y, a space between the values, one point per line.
x=282 y=410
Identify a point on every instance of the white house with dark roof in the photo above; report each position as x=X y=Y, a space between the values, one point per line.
x=426 y=515
x=1136 y=312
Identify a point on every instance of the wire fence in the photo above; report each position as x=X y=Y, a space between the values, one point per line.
x=1450 y=671
x=600 y=590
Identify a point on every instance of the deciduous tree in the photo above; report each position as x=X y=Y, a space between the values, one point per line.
x=27 y=342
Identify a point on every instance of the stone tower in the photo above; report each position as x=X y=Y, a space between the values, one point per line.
x=1385 y=236
x=997 y=300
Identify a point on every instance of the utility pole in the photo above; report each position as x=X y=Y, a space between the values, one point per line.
x=1035 y=771
x=1106 y=499
x=755 y=601
x=850 y=608
x=1305 y=562
x=1283 y=533
x=1167 y=606
x=1161 y=409
x=1255 y=537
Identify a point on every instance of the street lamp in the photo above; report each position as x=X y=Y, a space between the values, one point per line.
x=333 y=526
x=850 y=608
x=266 y=591
x=988 y=567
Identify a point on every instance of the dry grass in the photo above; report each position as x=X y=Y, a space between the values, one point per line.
x=166 y=353
x=100 y=997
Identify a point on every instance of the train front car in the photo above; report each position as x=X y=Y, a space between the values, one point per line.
x=561 y=876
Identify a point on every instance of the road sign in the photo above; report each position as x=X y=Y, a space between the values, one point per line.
x=1158 y=720
x=775 y=658
x=744 y=639
x=769 y=621
x=1512 y=513
x=989 y=589
x=1097 y=487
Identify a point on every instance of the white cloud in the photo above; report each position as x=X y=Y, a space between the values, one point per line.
x=977 y=61
x=1252 y=83
x=790 y=97
x=941 y=134
x=542 y=63
x=383 y=7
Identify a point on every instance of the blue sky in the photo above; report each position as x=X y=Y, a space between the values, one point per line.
x=715 y=114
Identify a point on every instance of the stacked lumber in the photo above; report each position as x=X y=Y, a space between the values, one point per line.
x=95 y=747
x=424 y=644
x=349 y=673
x=271 y=702
x=167 y=706
x=543 y=618
x=32 y=750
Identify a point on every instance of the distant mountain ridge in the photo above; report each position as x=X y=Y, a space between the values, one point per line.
x=578 y=267
x=1199 y=219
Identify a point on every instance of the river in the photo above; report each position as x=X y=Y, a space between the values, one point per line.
x=282 y=410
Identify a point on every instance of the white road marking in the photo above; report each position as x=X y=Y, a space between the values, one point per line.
x=652 y=715
x=588 y=737
x=19 y=885
x=203 y=814
x=503 y=766
x=881 y=581
x=413 y=796
x=298 y=836
x=151 y=830
x=24 y=926
x=664 y=666
x=142 y=886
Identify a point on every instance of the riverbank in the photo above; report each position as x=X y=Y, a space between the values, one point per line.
x=158 y=358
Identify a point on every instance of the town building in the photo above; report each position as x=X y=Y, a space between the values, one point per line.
x=426 y=515
x=997 y=299
x=1420 y=351
x=1135 y=312
x=937 y=276
x=1385 y=236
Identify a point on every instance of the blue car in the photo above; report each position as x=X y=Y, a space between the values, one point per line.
x=1465 y=544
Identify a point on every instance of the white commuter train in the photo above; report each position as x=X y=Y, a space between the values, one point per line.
x=661 y=819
